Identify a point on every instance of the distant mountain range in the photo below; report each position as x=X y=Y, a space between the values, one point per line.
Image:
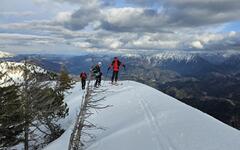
x=180 y=61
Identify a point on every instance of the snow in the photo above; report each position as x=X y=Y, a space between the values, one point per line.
x=14 y=71
x=131 y=55
x=187 y=56
x=5 y=54
x=143 y=118
x=174 y=55
x=73 y=101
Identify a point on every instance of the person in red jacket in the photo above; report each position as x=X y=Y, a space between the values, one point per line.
x=83 y=77
x=115 y=67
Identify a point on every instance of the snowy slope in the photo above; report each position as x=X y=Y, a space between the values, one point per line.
x=12 y=70
x=143 y=118
x=73 y=101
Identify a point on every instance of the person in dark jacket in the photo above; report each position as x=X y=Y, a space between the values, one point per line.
x=115 y=65
x=83 y=77
x=98 y=74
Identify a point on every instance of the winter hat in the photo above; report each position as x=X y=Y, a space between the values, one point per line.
x=100 y=63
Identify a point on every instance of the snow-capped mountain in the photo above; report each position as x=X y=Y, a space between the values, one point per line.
x=162 y=56
x=187 y=56
x=11 y=70
x=173 y=55
x=14 y=71
x=142 y=118
x=5 y=54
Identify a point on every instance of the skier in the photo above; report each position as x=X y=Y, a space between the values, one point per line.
x=98 y=74
x=83 y=77
x=115 y=66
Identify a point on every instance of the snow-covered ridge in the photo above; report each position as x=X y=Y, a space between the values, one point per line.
x=165 y=55
x=174 y=55
x=14 y=71
x=5 y=54
x=142 y=118
x=187 y=56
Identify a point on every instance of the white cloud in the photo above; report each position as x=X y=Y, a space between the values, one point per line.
x=112 y=43
x=122 y=15
x=219 y=41
x=8 y=40
x=40 y=1
x=17 y=14
x=232 y=34
x=197 y=44
x=147 y=42
x=206 y=38
x=63 y=16
x=7 y=36
x=80 y=2
x=82 y=44
x=129 y=19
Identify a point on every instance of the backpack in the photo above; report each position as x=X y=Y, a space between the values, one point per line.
x=83 y=75
x=116 y=64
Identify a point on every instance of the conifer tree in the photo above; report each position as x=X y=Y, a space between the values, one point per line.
x=35 y=104
x=65 y=81
x=43 y=105
x=11 y=117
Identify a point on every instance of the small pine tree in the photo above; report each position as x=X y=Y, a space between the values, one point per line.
x=65 y=81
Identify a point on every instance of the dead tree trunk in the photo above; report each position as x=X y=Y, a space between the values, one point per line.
x=88 y=103
x=75 y=143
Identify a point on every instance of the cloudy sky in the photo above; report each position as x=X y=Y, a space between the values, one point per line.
x=76 y=26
